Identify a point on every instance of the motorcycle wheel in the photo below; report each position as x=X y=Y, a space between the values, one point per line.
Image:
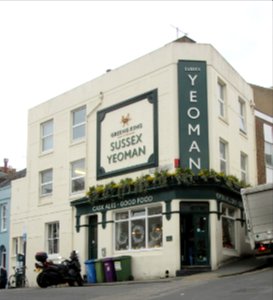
x=79 y=280
x=71 y=283
x=42 y=280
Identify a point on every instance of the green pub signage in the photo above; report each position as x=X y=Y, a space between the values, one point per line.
x=193 y=115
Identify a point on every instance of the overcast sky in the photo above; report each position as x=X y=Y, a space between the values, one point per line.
x=50 y=47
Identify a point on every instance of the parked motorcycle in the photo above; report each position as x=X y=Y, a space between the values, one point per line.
x=68 y=271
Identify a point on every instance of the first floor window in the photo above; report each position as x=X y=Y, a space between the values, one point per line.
x=228 y=227
x=77 y=176
x=244 y=167
x=17 y=245
x=52 y=238
x=46 y=182
x=139 y=228
x=3 y=216
x=223 y=156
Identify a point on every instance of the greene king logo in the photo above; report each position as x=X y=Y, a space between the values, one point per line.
x=125 y=120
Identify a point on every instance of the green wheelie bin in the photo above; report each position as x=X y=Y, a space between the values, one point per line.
x=123 y=267
x=99 y=270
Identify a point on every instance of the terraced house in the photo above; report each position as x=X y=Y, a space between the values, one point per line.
x=144 y=161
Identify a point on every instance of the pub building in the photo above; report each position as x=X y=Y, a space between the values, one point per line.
x=145 y=161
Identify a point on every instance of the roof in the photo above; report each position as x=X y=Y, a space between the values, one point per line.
x=6 y=180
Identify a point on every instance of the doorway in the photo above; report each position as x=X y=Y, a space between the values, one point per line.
x=93 y=237
x=194 y=234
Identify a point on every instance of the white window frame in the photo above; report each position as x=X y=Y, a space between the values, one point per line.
x=77 y=174
x=52 y=239
x=223 y=156
x=3 y=256
x=47 y=137
x=147 y=236
x=17 y=245
x=75 y=126
x=244 y=167
x=48 y=183
x=268 y=144
x=4 y=216
x=221 y=96
x=229 y=218
x=242 y=115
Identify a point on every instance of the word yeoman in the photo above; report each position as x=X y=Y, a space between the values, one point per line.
x=193 y=113
x=123 y=153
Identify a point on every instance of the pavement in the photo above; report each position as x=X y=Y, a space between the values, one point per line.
x=235 y=267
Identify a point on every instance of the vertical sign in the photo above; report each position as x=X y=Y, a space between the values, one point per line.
x=193 y=115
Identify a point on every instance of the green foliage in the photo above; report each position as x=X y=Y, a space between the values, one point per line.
x=162 y=179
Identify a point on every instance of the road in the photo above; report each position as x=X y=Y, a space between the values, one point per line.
x=250 y=286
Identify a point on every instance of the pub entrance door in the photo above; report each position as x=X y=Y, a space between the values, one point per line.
x=93 y=237
x=194 y=234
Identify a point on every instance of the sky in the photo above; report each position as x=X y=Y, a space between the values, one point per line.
x=49 y=47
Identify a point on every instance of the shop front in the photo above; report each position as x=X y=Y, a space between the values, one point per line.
x=178 y=224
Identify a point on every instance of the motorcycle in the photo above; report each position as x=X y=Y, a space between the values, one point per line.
x=68 y=271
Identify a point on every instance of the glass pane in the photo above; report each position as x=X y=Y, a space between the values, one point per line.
x=46 y=176
x=78 y=132
x=122 y=241
x=78 y=184
x=222 y=166
x=138 y=234
x=78 y=168
x=79 y=116
x=138 y=213
x=222 y=150
x=47 y=143
x=155 y=232
x=46 y=189
x=228 y=233
x=47 y=128
x=122 y=215
x=154 y=210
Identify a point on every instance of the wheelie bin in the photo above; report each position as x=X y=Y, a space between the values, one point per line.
x=90 y=271
x=99 y=271
x=123 y=267
x=109 y=269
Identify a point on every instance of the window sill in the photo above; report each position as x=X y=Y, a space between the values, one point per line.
x=223 y=119
x=243 y=133
x=45 y=153
x=230 y=252
x=77 y=142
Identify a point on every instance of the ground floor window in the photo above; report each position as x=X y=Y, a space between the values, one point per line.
x=3 y=256
x=228 y=227
x=139 y=228
x=52 y=230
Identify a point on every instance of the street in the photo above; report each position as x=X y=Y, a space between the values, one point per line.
x=206 y=286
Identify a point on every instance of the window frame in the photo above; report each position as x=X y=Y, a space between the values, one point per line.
x=52 y=241
x=47 y=136
x=75 y=126
x=223 y=157
x=229 y=218
x=221 y=98
x=244 y=169
x=79 y=177
x=242 y=115
x=142 y=236
x=43 y=184
x=4 y=217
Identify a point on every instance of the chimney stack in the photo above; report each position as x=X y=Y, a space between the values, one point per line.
x=6 y=165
